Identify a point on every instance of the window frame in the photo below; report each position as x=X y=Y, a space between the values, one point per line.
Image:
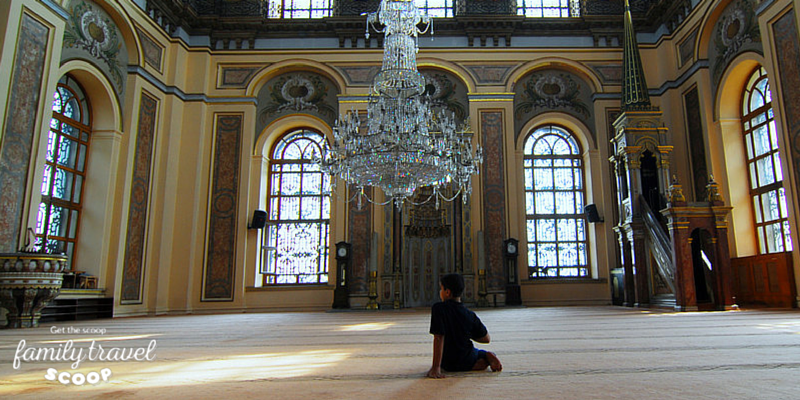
x=276 y=9
x=754 y=167
x=435 y=10
x=536 y=272
x=269 y=272
x=60 y=125
x=528 y=8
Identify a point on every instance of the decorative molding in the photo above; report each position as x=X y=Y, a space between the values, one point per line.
x=299 y=92
x=609 y=72
x=735 y=32
x=16 y=143
x=177 y=92
x=360 y=231
x=239 y=24
x=152 y=51
x=91 y=34
x=220 y=262
x=136 y=241
x=491 y=74
x=551 y=90
x=788 y=65
x=236 y=76
x=686 y=49
x=494 y=189
x=359 y=75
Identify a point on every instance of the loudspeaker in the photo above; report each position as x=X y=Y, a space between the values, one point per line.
x=259 y=220
x=591 y=213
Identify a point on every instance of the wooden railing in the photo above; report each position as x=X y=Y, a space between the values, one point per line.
x=660 y=244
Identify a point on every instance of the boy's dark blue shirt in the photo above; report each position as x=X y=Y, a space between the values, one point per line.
x=459 y=325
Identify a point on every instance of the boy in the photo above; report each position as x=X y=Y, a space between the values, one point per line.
x=452 y=327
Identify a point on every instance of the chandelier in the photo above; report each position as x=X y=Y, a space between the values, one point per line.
x=403 y=144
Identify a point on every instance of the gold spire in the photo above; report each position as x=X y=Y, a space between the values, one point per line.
x=634 y=86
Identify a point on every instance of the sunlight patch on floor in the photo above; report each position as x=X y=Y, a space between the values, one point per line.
x=247 y=367
x=371 y=326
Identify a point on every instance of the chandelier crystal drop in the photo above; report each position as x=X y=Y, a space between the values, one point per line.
x=403 y=144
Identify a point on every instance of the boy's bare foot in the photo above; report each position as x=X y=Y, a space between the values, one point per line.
x=494 y=362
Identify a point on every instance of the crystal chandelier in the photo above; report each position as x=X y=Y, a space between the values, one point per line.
x=406 y=144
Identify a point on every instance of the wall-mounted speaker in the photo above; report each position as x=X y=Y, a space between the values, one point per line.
x=259 y=220
x=591 y=213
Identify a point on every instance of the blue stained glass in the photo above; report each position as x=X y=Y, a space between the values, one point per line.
x=554 y=187
x=764 y=165
x=47 y=180
x=545 y=230
x=565 y=203
x=301 y=255
x=312 y=183
x=543 y=178
x=545 y=203
x=530 y=207
x=62 y=185
x=563 y=179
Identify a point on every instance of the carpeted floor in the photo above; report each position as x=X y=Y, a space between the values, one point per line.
x=547 y=353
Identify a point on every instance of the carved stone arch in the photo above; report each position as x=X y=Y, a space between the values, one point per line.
x=573 y=125
x=435 y=63
x=295 y=90
x=646 y=143
x=730 y=29
x=575 y=67
x=272 y=132
x=561 y=86
x=104 y=157
x=125 y=25
x=446 y=90
x=727 y=110
x=294 y=65
x=712 y=11
x=106 y=112
x=102 y=34
x=728 y=99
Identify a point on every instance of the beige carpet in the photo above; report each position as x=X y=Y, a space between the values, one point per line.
x=547 y=353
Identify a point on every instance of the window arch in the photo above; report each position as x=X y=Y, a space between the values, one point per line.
x=764 y=166
x=554 y=202
x=57 y=222
x=549 y=8
x=300 y=9
x=298 y=217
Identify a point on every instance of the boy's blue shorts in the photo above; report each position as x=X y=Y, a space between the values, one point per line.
x=466 y=363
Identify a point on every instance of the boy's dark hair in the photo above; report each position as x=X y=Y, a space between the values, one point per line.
x=454 y=282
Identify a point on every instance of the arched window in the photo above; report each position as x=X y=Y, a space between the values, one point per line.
x=300 y=9
x=554 y=201
x=549 y=8
x=64 y=174
x=436 y=8
x=299 y=207
x=764 y=166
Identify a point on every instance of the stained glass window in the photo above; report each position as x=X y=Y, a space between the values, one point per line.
x=554 y=202
x=299 y=8
x=64 y=174
x=436 y=8
x=764 y=166
x=549 y=8
x=296 y=237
